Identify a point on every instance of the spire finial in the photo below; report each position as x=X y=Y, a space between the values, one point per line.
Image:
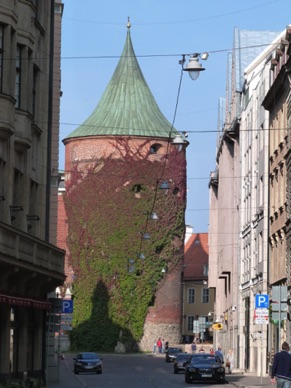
x=128 y=22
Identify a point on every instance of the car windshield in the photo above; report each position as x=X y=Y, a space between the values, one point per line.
x=175 y=350
x=88 y=356
x=204 y=358
x=184 y=357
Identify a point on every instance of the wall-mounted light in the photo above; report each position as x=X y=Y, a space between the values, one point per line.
x=154 y=216
x=205 y=282
x=164 y=185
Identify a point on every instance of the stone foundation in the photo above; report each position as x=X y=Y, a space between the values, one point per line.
x=152 y=331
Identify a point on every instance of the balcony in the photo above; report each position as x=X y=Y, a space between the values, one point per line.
x=25 y=259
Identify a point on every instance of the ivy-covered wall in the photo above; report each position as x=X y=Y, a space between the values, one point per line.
x=116 y=272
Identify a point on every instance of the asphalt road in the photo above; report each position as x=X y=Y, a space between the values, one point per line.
x=130 y=371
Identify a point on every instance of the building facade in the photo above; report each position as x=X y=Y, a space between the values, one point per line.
x=30 y=265
x=198 y=299
x=277 y=103
x=238 y=231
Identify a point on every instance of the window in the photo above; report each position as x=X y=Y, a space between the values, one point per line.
x=18 y=76
x=191 y=295
x=190 y=320
x=205 y=270
x=154 y=148
x=1 y=54
x=205 y=295
x=34 y=90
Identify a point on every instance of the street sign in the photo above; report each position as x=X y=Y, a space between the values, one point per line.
x=67 y=306
x=261 y=301
x=67 y=318
x=66 y=327
x=261 y=316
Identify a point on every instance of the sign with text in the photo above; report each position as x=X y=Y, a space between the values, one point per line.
x=261 y=316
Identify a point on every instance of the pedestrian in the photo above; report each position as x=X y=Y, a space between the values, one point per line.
x=193 y=347
x=159 y=344
x=229 y=360
x=163 y=345
x=166 y=346
x=219 y=354
x=281 y=368
x=155 y=348
x=211 y=351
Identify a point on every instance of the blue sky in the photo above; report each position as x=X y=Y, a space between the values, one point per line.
x=93 y=36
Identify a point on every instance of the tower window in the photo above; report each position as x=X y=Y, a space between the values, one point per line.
x=154 y=148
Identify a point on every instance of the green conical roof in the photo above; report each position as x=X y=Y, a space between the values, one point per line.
x=127 y=107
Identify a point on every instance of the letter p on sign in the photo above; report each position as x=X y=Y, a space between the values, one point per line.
x=262 y=301
x=67 y=306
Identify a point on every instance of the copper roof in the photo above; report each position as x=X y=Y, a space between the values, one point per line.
x=127 y=107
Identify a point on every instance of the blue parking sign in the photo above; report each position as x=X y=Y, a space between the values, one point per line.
x=67 y=306
x=261 y=301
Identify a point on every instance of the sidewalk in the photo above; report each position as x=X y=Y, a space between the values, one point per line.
x=249 y=380
x=67 y=379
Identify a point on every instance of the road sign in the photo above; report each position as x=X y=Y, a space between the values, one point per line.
x=261 y=301
x=67 y=306
x=66 y=327
x=261 y=316
x=67 y=318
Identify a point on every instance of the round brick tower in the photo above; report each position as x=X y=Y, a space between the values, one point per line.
x=127 y=132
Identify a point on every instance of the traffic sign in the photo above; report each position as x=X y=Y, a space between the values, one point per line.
x=67 y=318
x=261 y=301
x=67 y=306
x=261 y=316
x=66 y=327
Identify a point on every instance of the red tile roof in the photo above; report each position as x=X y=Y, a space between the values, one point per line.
x=196 y=257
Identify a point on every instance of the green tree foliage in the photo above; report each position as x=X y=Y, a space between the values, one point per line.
x=108 y=206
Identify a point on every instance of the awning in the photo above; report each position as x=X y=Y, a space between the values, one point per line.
x=25 y=302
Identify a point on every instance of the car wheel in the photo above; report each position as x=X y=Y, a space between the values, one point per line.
x=187 y=380
x=76 y=371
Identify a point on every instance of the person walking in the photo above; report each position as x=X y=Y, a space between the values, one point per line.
x=193 y=347
x=219 y=354
x=281 y=368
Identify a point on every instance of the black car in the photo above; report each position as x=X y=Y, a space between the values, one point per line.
x=181 y=362
x=205 y=367
x=88 y=362
x=172 y=353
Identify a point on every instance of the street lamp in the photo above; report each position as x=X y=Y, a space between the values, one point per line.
x=194 y=66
